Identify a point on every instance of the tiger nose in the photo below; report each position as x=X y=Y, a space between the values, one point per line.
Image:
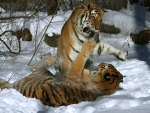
x=97 y=28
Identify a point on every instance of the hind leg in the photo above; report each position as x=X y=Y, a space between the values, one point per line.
x=43 y=64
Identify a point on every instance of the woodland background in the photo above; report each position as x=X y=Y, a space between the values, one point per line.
x=29 y=27
x=32 y=7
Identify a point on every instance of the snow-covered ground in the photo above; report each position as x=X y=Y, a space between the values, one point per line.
x=134 y=94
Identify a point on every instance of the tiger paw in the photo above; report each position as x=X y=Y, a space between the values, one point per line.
x=38 y=66
x=43 y=64
x=121 y=56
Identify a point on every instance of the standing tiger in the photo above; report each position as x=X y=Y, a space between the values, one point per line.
x=82 y=25
x=80 y=85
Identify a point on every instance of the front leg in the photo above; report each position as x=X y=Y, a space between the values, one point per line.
x=77 y=68
x=104 y=48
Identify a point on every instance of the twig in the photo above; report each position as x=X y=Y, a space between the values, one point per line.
x=3 y=62
x=7 y=45
x=44 y=32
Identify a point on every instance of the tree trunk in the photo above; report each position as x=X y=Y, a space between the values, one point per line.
x=114 y=4
x=51 y=6
x=91 y=1
x=133 y=1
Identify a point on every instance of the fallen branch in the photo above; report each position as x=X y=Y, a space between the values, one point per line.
x=142 y=38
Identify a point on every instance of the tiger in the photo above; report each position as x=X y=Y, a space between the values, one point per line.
x=80 y=85
x=83 y=24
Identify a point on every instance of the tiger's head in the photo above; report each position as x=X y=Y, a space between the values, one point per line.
x=107 y=78
x=87 y=19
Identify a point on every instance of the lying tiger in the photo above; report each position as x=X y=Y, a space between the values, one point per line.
x=78 y=85
x=83 y=24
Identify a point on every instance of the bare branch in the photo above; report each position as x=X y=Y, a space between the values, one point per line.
x=18 y=39
x=45 y=32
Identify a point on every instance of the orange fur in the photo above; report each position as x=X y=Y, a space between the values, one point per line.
x=77 y=68
x=83 y=25
x=69 y=42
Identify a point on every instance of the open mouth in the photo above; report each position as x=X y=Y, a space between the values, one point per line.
x=87 y=30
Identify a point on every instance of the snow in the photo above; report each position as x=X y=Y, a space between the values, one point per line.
x=134 y=93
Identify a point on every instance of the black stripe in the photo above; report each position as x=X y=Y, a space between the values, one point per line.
x=24 y=92
x=66 y=94
x=59 y=86
x=78 y=95
x=116 y=82
x=30 y=85
x=25 y=84
x=34 y=94
x=69 y=57
x=72 y=91
x=30 y=90
x=99 y=50
x=55 y=89
x=47 y=98
x=53 y=93
x=21 y=84
x=66 y=53
x=78 y=37
x=75 y=97
x=61 y=101
x=113 y=79
x=82 y=16
x=77 y=34
x=74 y=48
x=43 y=91
x=85 y=92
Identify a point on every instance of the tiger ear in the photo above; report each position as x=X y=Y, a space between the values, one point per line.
x=86 y=6
x=105 y=11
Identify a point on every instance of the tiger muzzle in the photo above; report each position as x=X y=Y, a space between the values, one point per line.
x=107 y=76
x=88 y=31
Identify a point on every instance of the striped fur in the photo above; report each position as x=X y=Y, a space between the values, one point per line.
x=80 y=84
x=53 y=91
x=82 y=25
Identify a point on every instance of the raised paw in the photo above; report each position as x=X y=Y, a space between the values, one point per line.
x=121 y=56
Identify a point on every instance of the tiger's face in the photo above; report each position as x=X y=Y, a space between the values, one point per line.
x=107 y=77
x=87 y=19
